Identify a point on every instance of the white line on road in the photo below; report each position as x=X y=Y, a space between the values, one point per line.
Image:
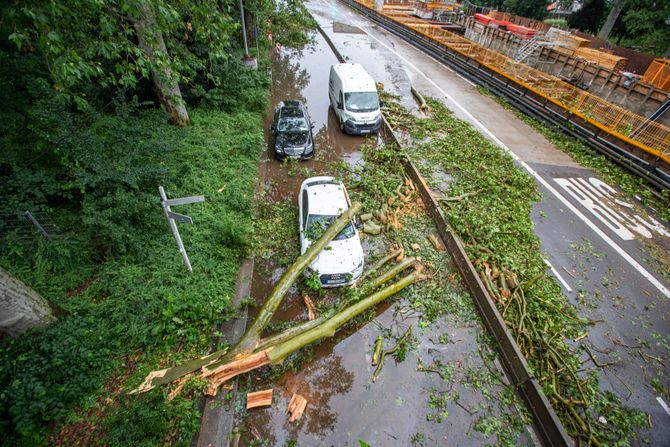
x=663 y=404
x=628 y=258
x=559 y=277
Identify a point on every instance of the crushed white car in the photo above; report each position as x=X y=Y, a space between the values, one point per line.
x=321 y=200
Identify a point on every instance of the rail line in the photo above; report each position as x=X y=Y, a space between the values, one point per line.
x=572 y=114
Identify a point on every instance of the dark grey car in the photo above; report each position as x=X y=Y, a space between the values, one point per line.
x=292 y=131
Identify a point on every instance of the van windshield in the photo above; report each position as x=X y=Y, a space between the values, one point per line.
x=361 y=101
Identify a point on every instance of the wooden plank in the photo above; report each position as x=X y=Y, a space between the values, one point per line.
x=259 y=399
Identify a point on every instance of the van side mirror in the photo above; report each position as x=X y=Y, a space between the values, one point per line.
x=339 y=105
x=381 y=103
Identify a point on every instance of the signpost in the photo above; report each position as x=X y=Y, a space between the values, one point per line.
x=172 y=216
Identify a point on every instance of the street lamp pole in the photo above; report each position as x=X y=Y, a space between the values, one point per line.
x=246 y=59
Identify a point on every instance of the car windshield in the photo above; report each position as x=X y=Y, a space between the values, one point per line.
x=318 y=224
x=361 y=101
x=292 y=124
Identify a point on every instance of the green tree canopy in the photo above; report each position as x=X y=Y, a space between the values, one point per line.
x=534 y=9
x=647 y=26
x=90 y=45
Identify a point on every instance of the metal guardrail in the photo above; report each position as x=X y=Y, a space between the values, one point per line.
x=548 y=427
x=529 y=101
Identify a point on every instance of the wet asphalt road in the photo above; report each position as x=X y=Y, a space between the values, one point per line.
x=600 y=252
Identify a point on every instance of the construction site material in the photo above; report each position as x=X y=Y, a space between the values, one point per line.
x=259 y=399
x=658 y=74
x=296 y=407
x=601 y=58
x=603 y=115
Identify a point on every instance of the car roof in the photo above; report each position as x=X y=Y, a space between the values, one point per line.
x=355 y=78
x=291 y=109
x=326 y=196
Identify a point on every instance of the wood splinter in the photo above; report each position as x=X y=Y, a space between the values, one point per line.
x=296 y=407
x=259 y=399
x=310 y=307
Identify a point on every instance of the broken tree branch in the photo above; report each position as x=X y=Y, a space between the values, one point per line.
x=379 y=264
x=251 y=337
x=393 y=271
x=279 y=352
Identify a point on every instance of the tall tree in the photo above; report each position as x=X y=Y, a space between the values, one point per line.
x=534 y=9
x=93 y=44
x=648 y=26
x=21 y=308
x=613 y=15
x=151 y=41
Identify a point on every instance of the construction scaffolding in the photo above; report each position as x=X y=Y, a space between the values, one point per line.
x=653 y=138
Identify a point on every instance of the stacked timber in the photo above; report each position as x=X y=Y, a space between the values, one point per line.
x=603 y=59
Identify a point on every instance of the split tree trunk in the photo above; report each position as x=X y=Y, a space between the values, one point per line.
x=251 y=337
x=167 y=88
x=21 y=308
x=612 y=17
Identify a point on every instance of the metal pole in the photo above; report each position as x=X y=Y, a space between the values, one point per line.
x=244 y=30
x=173 y=227
x=37 y=225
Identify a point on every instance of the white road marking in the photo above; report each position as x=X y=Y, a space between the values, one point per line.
x=628 y=258
x=663 y=404
x=559 y=277
x=599 y=198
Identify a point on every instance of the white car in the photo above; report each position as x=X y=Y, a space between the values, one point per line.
x=321 y=200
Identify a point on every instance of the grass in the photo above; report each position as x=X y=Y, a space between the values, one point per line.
x=130 y=314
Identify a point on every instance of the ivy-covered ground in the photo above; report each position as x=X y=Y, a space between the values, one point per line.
x=130 y=313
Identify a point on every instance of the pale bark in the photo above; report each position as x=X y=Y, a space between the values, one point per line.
x=250 y=339
x=151 y=41
x=612 y=17
x=21 y=308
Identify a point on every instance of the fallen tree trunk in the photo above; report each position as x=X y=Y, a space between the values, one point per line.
x=279 y=352
x=217 y=373
x=250 y=340
x=251 y=337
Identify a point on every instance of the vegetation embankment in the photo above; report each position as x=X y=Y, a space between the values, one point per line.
x=487 y=201
x=85 y=143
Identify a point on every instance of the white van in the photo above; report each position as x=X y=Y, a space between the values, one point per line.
x=353 y=95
